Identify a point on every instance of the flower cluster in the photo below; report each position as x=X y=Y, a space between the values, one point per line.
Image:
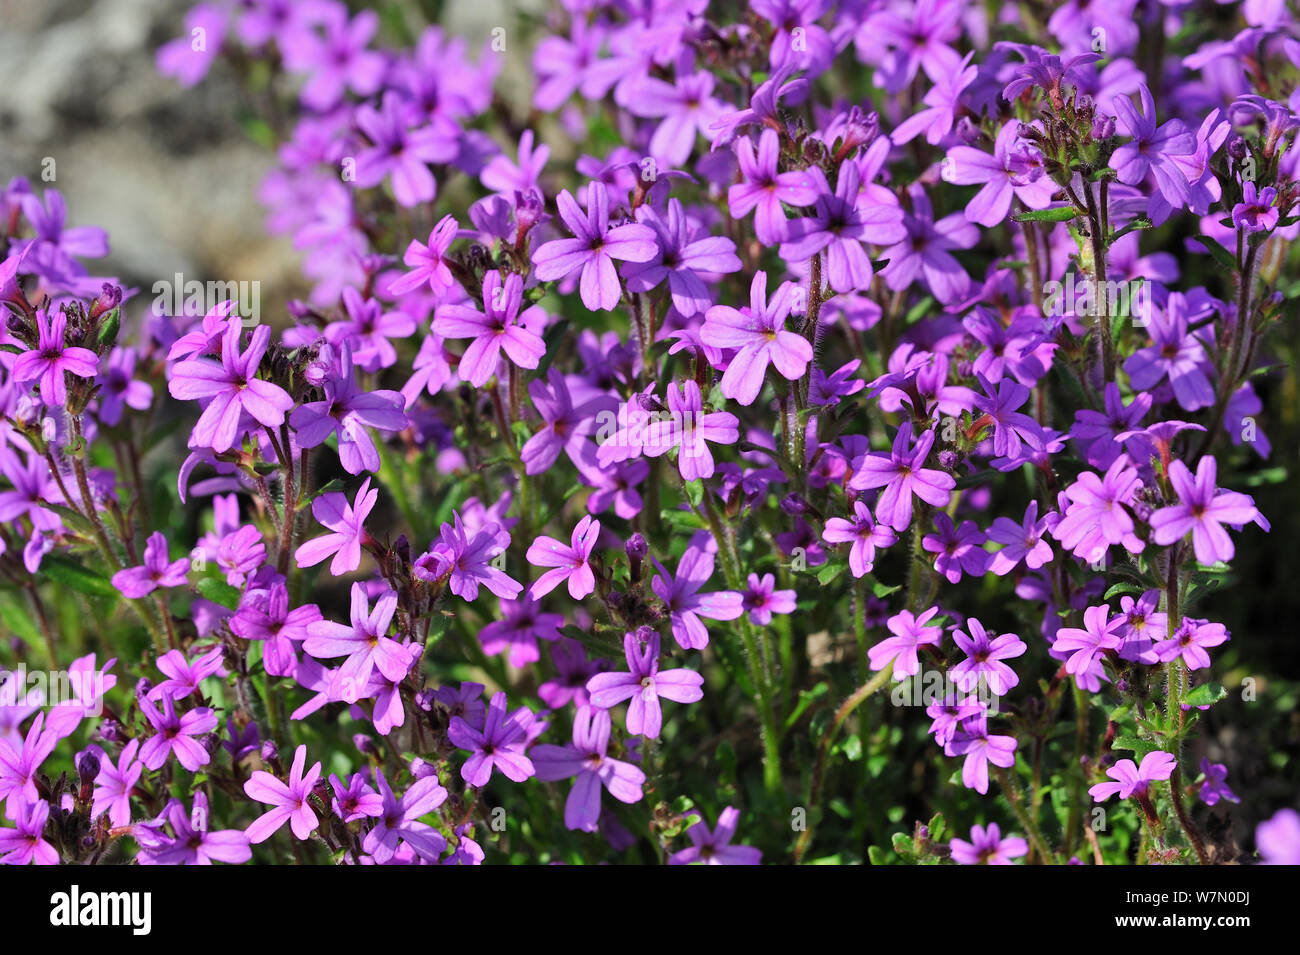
x=637 y=442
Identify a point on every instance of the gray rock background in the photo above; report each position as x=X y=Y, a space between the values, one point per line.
x=167 y=171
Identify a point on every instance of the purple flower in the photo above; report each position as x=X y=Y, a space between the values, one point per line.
x=366 y=329
x=500 y=327
x=764 y=104
x=187 y=61
x=840 y=223
x=355 y=801
x=573 y=670
x=337 y=58
x=466 y=560
x=401 y=152
x=715 y=848
x=765 y=191
x=506 y=178
x=594 y=248
x=114 y=784
x=864 y=533
x=398 y=822
x=902 y=474
x=1278 y=839
x=1215 y=784
x=984 y=658
x=585 y=759
x=347 y=523
x=1010 y=427
x=1096 y=431
x=987 y=847
x=137 y=582
x=1023 y=541
x=686 y=107
x=1152 y=150
x=761 y=338
x=289 y=801
x=52 y=358
x=692 y=430
x=230 y=389
x=1175 y=354
x=1257 y=211
x=1014 y=170
x=567 y=428
x=25 y=844
x=1089 y=643
x=266 y=617
x=365 y=643
x=909 y=633
x=1190 y=641
x=523 y=625
x=428 y=263
x=973 y=741
x=761 y=599
x=118 y=390
x=1097 y=517
x=644 y=684
x=175 y=734
x=192 y=843
x=569 y=561
x=1202 y=510
x=20 y=763
x=949 y=714
x=347 y=411
x=956 y=549
x=944 y=102
x=1133 y=779
x=500 y=744
x=240 y=554
x=184 y=676
x=1140 y=626
x=686 y=253
x=686 y=605
x=924 y=250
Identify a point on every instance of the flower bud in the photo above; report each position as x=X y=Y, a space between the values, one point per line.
x=1103 y=127
x=87 y=768
x=793 y=504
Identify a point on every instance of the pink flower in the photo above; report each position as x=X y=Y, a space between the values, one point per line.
x=289 y=801
x=568 y=560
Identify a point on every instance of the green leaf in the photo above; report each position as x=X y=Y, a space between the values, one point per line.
x=1054 y=214
x=1221 y=256
x=1141 y=222
x=20 y=622
x=883 y=590
x=329 y=488
x=806 y=699
x=903 y=845
x=1205 y=695
x=919 y=311
x=1139 y=747
x=73 y=519
x=1123 y=587
x=827 y=574
x=1267 y=476
x=219 y=592
x=69 y=573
